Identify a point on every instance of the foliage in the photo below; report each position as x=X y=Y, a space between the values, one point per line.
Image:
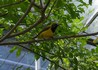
x=67 y=54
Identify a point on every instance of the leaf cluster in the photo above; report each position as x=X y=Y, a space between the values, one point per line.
x=65 y=54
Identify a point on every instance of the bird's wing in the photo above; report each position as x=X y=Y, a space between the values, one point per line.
x=46 y=28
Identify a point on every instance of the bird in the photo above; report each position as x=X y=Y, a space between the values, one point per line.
x=47 y=32
x=95 y=41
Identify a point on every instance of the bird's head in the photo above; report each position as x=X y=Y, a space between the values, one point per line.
x=54 y=26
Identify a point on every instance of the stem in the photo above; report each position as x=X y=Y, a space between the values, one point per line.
x=55 y=38
x=19 y=21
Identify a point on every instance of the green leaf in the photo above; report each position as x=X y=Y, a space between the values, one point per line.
x=19 y=67
x=97 y=49
x=56 y=66
x=28 y=68
x=75 y=61
x=37 y=56
x=18 y=52
x=13 y=49
x=60 y=4
x=93 y=51
x=90 y=2
x=70 y=54
x=75 y=68
x=1 y=31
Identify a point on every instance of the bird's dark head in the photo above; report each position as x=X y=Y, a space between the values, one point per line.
x=54 y=26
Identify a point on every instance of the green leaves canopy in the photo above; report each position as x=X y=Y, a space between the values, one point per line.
x=64 y=53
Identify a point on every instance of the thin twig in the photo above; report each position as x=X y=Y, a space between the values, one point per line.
x=51 y=8
x=32 y=26
x=28 y=29
x=41 y=3
x=43 y=50
x=20 y=20
x=37 y=6
x=46 y=5
x=15 y=3
x=44 y=9
x=32 y=51
x=1 y=15
x=55 y=38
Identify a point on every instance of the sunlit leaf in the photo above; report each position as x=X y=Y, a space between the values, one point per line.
x=13 y=49
x=18 y=52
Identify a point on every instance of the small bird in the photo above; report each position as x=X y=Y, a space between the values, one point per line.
x=95 y=41
x=47 y=32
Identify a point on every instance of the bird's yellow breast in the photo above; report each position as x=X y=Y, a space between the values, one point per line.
x=46 y=34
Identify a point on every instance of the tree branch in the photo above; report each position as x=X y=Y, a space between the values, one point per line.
x=15 y=3
x=35 y=24
x=32 y=51
x=37 y=6
x=43 y=50
x=27 y=11
x=90 y=42
x=1 y=15
x=28 y=29
x=41 y=3
x=55 y=38
x=51 y=8
x=44 y=9
x=46 y=6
